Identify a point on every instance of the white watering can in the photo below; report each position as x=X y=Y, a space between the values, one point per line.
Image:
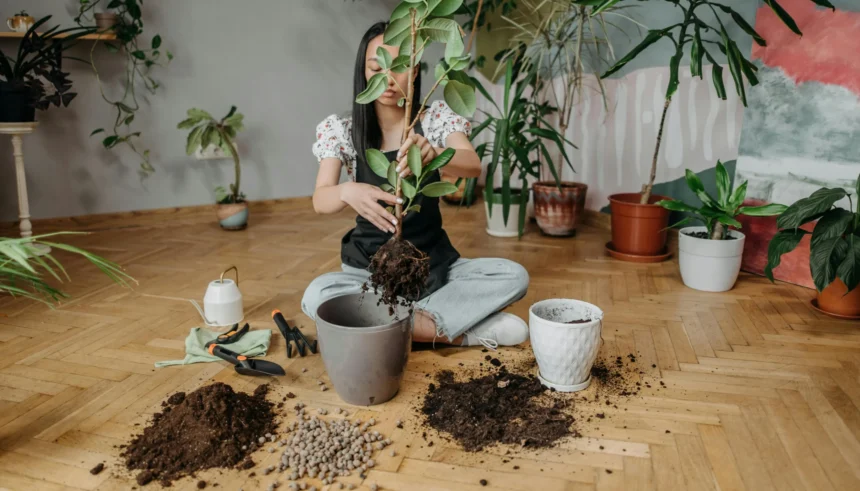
x=222 y=303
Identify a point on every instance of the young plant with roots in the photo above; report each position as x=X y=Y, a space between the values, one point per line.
x=399 y=270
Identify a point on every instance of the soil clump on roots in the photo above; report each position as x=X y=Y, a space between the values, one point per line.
x=210 y=427
x=498 y=408
x=399 y=272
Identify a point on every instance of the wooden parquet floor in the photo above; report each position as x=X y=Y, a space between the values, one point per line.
x=760 y=391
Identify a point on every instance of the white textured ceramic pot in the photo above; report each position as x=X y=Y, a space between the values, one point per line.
x=565 y=337
x=496 y=225
x=710 y=265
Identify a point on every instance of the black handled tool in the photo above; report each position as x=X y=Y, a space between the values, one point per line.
x=241 y=363
x=291 y=333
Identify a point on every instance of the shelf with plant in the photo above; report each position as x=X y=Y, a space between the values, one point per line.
x=710 y=256
x=834 y=247
x=141 y=57
x=701 y=32
x=34 y=78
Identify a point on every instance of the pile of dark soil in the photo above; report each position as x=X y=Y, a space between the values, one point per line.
x=498 y=408
x=210 y=427
x=399 y=271
x=705 y=235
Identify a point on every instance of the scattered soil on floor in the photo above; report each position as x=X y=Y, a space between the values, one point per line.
x=497 y=408
x=97 y=469
x=399 y=272
x=210 y=427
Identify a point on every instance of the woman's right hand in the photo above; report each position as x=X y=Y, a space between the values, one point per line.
x=364 y=198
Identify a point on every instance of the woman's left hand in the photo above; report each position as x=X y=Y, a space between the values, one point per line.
x=428 y=153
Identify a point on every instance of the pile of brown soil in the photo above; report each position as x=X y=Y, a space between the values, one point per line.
x=498 y=408
x=399 y=271
x=210 y=427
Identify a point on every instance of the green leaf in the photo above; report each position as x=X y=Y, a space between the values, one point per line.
x=770 y=210
x=198 y=114
x=738 y=197
x=727 y=220
x=400 y=64
x=194 y=139
x=784 y=16
x=742 y=23
x=696 y=54
x=808 y=209
x=445 y=7
x=440 y=161
x=413 y=159
x=408 y=188
x=834 y=223
x=825 y=3
x=97 y=131
x=377 y=162
x=437 y=189
x=392 y=174
x=849 y=270
x=112 y=48
x=461 y=98
x=652 y=37
x=783 y=242
x=110 y=141
x=454 y=48
x=169 y=55
x=397 y=31
x=724 y=185
x=375 y=87
x=156 y=42
x=388 y=188
x=140 y=55
x=402 y=10
x=415 y=208
x=440 y=30
x=734 y=66
x=383 y=57
x=695 y=185
x=718 y=81
x=461 y=63
x=605 y=4
x=675 y=205
x=439 y=73
x=674 y=80
x=857 y=193
x=128 y=120
x=824 y=259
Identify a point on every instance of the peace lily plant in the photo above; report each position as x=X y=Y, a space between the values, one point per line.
x=414 y=25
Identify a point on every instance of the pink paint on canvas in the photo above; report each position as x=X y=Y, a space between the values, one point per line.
x=826 y=53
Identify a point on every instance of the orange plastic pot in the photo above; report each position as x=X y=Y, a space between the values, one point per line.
x=834 y=300
x=638 y=229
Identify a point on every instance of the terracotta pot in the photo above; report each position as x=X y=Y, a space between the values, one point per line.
x=456 y=198
x=834 y=300
x=638 y=229
x=233 y=216
x=106 y=20
x=559 y=211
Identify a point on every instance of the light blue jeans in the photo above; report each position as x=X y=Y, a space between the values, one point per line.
x=476 y=288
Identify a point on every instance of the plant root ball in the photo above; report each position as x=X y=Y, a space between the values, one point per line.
x=399 y=272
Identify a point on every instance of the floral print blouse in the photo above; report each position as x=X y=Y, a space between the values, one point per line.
x=334 y=133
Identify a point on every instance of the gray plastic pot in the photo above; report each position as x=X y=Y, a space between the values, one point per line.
x=364 y=349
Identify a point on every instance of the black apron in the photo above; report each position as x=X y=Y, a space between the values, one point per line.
x=423 y=229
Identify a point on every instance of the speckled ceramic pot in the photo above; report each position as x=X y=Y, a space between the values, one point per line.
x=558 y=211
x=233 y=216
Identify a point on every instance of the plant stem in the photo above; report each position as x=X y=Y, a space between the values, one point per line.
x=646 y=190
x=718 y=232
x=474 y=26
x=407 y=116
x=236 y=163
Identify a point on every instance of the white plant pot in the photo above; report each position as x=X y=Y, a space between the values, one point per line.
x=710 y=265
x=565 y=352
x=496 y=224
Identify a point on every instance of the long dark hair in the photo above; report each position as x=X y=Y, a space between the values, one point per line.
x=366 y=132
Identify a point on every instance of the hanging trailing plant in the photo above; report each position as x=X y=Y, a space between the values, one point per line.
x=140 y=58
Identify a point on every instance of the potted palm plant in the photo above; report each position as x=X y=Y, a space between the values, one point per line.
x=34 y=79
x=710 y=256
x=22 y=273
x=638 y=222
x=834 y=252
x=567 y=47
x=519 y=131
x=210 y=135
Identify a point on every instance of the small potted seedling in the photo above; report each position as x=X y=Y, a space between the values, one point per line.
x=399 y=270
x=710 y=256
x=834 y=251
x=208 y=134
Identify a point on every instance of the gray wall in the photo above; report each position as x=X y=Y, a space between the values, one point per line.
x=285 y=63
